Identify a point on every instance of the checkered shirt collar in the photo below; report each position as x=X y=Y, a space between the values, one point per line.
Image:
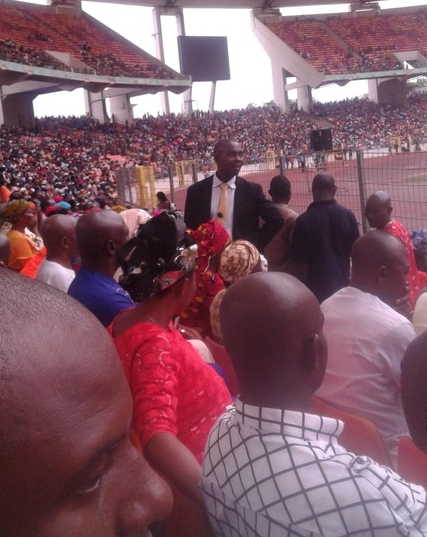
x=288 y=422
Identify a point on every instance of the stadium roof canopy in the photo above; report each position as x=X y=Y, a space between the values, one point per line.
x=248 y=4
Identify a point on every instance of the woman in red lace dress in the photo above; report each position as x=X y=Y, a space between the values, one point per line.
x=177 y=397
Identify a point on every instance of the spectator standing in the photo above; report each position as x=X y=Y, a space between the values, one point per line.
x=322 y=241
x=236 y=203
x=277 y=250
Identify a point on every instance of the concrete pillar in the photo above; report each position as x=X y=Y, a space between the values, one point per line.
x=1 y=109
x=279 y=87
x=17 y=109
x=373 y=90
x=304 y=98
x=160 y=53
x=96 y=106
x=187 y=96
x=121 y=109
x=392 y=91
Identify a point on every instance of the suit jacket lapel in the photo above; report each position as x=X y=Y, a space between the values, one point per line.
x=237 y=205
x=205 y=199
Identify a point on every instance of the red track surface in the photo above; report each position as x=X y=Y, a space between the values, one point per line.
x=391 y=173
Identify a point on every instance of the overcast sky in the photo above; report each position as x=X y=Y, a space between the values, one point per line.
x=249 y=64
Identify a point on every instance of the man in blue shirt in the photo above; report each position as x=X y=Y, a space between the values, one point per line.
x=100 y=235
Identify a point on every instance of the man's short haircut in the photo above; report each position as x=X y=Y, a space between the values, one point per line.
x=323 y=182
x=219 y=146
x=280 y=186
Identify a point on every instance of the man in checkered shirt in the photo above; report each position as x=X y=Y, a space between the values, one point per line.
x=272 y=469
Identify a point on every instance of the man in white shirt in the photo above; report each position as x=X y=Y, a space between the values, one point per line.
x=367 y=338
x=59 y=237
x=270 y=468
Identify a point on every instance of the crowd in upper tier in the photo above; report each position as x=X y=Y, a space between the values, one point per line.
x=336 y=44
x=354 y=44
x=29 y=34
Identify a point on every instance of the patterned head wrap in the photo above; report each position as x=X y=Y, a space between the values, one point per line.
x=157 y=257
x=211 y=238
x=237 y=260
x=14 y=208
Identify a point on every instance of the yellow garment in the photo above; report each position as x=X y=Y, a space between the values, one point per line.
x=14 y=208
x=222 y=204
x=21 y=250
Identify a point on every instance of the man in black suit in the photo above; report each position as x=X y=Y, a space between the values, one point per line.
x=240 y=207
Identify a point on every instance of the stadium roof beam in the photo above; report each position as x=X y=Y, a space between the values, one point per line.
x=247 y=4
x=20 y=84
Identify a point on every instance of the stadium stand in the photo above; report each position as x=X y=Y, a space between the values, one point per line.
x=349 y=44
x=28 y=34
x=75 y=153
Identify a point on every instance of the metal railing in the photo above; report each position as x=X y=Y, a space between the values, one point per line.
x=357 y=175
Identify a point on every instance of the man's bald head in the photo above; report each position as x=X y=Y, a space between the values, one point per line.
x=64 y=407
x=35 y=322
x=272 y=328
x=100 y=235
x=323 y=186
x=380 y=266
x=378 y=209
x=59 y=233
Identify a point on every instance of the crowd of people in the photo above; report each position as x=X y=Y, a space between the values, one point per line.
x=28 y=34
x=199 y=309
x=344 y=43
x=77 y=157
x=11 y=52
x=336 y=45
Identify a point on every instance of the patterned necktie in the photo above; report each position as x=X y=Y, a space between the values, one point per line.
x=222 y=205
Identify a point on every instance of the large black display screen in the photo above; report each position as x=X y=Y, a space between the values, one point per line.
x=204 y=58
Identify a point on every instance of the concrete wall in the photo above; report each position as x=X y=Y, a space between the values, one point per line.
x=17 y=109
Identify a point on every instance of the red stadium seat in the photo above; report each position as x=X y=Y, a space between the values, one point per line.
x=360 y=436
x=412 y=462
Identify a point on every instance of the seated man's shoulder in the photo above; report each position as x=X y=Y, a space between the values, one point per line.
x=346 y=483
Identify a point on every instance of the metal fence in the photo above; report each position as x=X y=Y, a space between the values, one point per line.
x=357 y=175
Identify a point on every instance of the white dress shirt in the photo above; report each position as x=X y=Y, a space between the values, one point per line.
x=216 y=194
x=366 y=343
x=278 y=473
x=56 y=275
